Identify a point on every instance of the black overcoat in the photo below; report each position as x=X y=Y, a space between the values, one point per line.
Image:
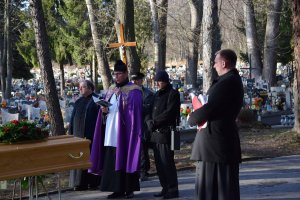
x=89 y=119
x=219 y=142
x=165 y=114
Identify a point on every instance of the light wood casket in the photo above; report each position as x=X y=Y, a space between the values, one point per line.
x=55 y=154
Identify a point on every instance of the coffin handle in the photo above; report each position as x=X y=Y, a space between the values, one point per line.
x=76 y=157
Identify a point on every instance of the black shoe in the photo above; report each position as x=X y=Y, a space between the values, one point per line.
x=92 y=187
x=144 y=177
x=160 y=194
x=171 y=195
x=129 y=195
x=80 y=188
x=116 y=195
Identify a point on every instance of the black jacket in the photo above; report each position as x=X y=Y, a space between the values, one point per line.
x=89 y=119
x=219 y=141
x=148 y=97
x=165 y=114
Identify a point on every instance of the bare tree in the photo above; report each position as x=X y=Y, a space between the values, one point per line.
x=196 y=7
x=231 y=20
x=271 y=38
x=156 y=34
x=163 y=19
x=1 y=63
x=211 y=40
x=125 y=11
x=296 y=88
x=43 y=52
x=178 y=32
x=100 y=53
x=8 y=54
x=1 y=47
x=254 y=54
x=4 y=49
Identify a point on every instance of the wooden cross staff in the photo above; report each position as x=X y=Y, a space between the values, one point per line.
x=122 y=44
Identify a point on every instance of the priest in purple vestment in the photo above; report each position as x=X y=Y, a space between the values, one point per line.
x=115 y=152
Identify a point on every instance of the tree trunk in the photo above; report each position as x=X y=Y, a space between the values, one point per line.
x=271 y=38
x=162 y=22
x=100 y=53
x=4 y=57
x=156 y=34
x=296 y=88
x=211 y=41
x=8 y=55
x=254 y=53
x=1 y=53
x=62 y=78
x=196 y=7
x=91 y=72
x=95 y=70
x=125 y=11
x=43 y=52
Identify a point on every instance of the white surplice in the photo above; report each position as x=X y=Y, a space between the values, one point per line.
x=112 y=121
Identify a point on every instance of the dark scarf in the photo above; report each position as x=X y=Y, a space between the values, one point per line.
x=123 y=83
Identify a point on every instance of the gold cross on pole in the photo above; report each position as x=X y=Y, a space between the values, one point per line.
x=122 y=44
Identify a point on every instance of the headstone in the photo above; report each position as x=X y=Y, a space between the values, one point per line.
x=3 y=185
x=278 y=89
x=250 y=84
x=288 y=99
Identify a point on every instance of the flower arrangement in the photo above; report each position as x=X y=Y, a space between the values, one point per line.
x=3 y=103
x=185 y=111
x=18 y=131
x=257 y=103
x=69 y=93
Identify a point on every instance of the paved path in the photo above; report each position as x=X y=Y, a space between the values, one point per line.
x=266 y=179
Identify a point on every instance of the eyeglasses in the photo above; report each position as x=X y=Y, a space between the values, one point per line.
x=118 y=73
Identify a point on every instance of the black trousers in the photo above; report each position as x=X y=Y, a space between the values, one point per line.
x=165 y=166
x=145 y=161
x=217 y=181
x=117 y=181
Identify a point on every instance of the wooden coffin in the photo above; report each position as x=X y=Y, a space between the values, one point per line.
x=55 y=154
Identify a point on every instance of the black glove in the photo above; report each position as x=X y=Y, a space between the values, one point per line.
x=146 y=135
x=150 y=125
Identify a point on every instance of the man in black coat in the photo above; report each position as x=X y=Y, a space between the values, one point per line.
x=165 y=115
x=148 y=97
x=217 y=147
x=82 y=124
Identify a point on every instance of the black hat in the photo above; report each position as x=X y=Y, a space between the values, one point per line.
x=162 y=76
x=137 y=76
x=120 y=66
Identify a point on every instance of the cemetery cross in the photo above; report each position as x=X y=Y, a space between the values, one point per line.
x=122 y=44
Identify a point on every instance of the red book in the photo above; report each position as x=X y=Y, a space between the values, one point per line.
x=197 y=103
